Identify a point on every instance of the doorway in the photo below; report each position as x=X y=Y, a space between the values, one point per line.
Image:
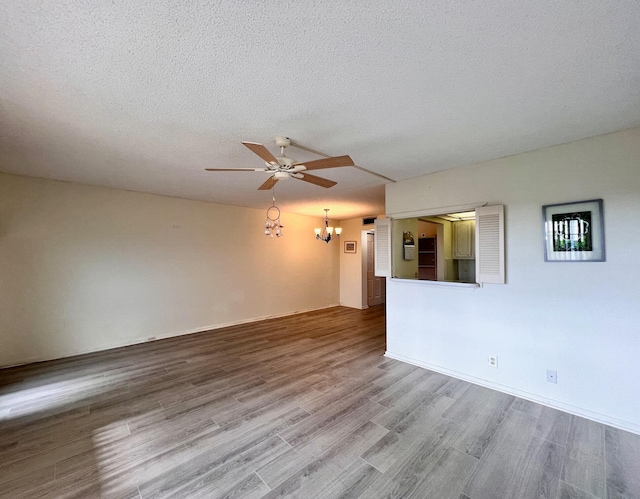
x=376 y=286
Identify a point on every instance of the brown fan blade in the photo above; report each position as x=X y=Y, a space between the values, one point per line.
x=261 y=151
x=312 y=179
x=335 y=162
x=236 y=169
x=271 y=181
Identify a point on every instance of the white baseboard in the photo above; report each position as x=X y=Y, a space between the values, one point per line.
x=554 y=404
x=137 y=341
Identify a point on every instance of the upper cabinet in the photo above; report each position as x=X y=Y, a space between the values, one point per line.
x=464 y=247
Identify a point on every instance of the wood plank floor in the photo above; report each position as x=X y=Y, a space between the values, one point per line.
x=302 y=406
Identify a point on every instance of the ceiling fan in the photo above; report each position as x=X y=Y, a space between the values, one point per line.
x=281 y=167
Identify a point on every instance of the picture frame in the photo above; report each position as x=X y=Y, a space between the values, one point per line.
x=574 y=232
x=350 y=246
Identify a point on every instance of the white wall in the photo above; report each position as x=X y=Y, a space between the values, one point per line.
x=87 y=268
x=581 y=319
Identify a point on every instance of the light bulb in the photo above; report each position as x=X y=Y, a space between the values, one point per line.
x=317 y=231
x=338 y=231
x=329 y=230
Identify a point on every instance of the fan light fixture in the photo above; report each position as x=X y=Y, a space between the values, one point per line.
x=325 y=233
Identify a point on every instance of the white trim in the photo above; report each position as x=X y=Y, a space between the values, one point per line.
x=446 y=284
x=364 y=254
x=436 y=211
x=554 y=404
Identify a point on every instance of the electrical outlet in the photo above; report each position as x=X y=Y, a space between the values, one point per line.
x=493 y=361
x=552 y=376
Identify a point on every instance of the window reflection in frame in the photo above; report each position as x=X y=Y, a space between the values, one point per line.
x=574 y=232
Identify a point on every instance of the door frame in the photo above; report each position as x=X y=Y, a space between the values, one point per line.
x=363 y=263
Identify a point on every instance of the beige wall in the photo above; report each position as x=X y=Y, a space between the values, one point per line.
x=351 y=265
x=407 y=269
x=87 y=268
x=426 y=228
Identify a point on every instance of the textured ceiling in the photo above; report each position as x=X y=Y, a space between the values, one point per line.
x=143 y=95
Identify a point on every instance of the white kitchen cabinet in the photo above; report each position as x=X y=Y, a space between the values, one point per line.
x=464 y=244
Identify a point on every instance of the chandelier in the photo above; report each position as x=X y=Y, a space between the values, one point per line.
x=325 y=233
x=272 y=225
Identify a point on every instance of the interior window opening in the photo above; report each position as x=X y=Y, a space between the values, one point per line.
x=462 y=247
x=435 y=248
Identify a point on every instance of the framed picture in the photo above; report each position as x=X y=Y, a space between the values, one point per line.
x=574 y=232
x=350 y=246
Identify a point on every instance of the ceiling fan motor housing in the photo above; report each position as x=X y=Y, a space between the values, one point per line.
x=285 y=162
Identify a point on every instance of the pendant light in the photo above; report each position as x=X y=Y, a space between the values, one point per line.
x=325 y=233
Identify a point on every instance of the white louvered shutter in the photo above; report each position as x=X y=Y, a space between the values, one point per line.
x=490 y=244
x=382 y=242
